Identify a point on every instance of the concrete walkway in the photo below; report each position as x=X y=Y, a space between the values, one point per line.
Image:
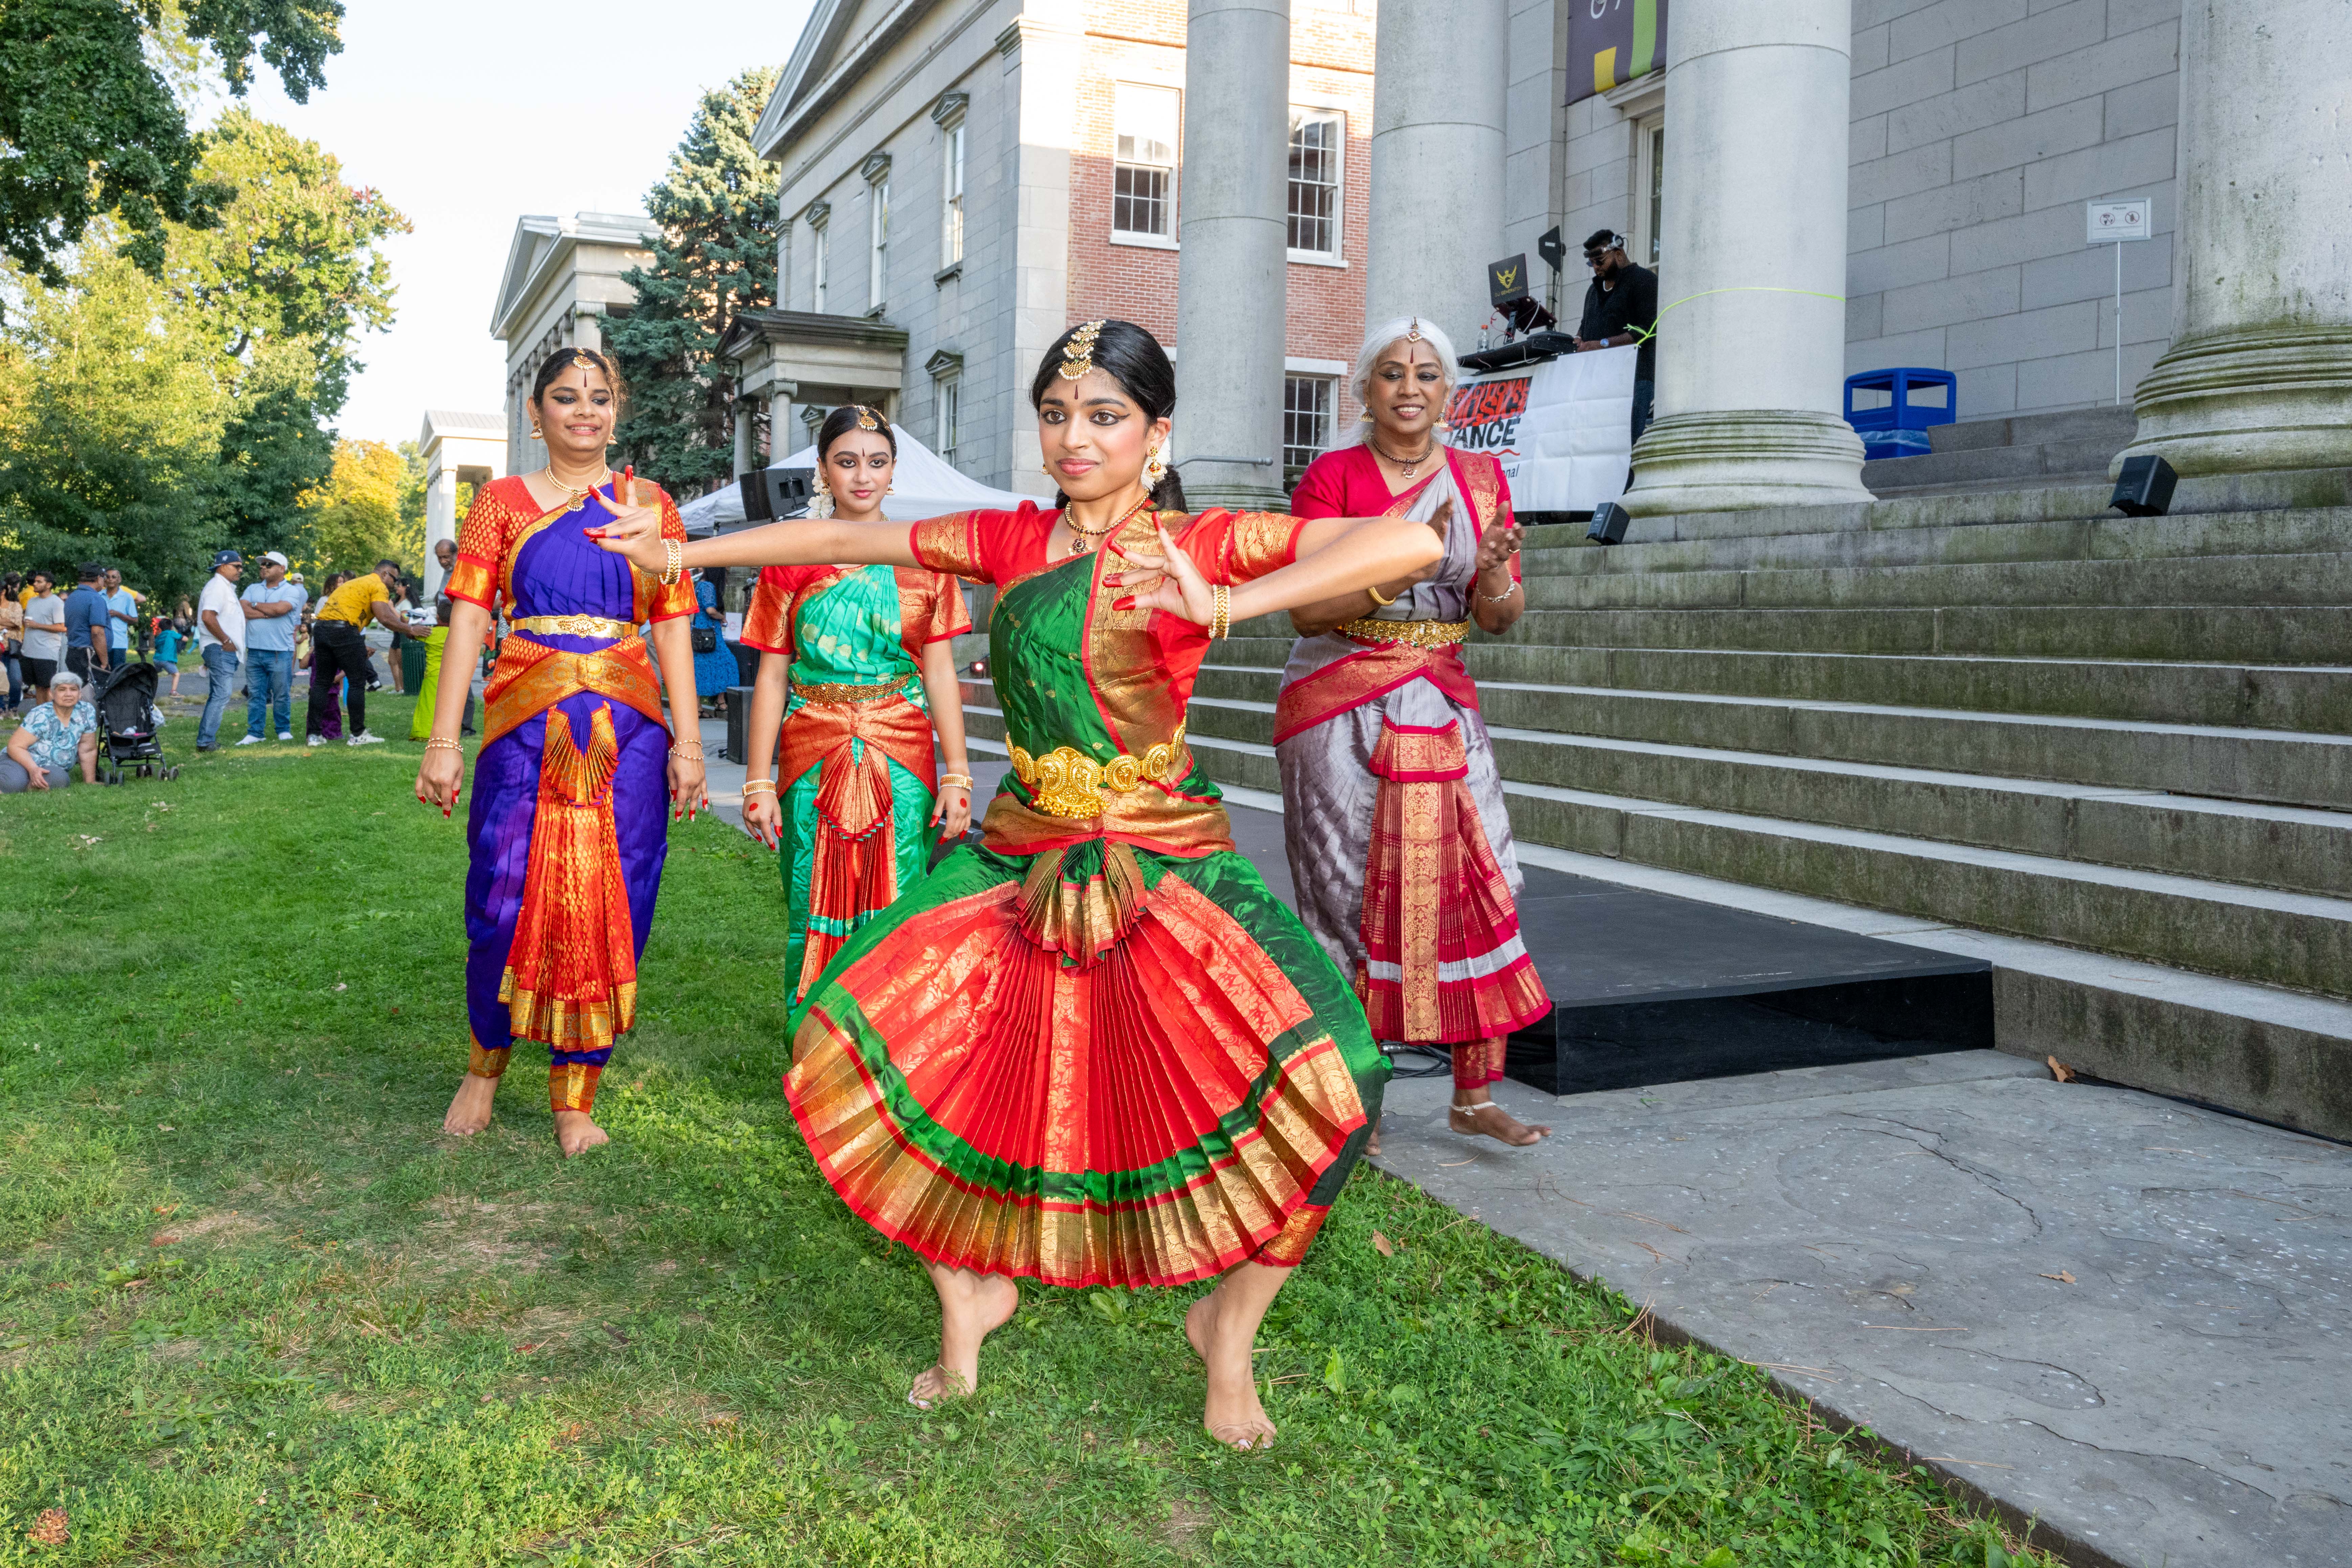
x=2125 y=1317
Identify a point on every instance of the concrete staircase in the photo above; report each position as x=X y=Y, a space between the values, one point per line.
x=2036 y=450
x=2114 y=755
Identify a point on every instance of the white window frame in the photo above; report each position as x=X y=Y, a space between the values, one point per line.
x=820 y=265
x=1648 y=178
x=951 y=191
x=878 y=262
x=1338 y=119
x=1328 y=413
x=946 y=425
x=1171 y=171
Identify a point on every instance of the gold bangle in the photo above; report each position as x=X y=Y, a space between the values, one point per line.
x=752 y=787
x=694 y=750
x=1220 y=610
x=1378 y=597
x=673 y=563
x=959 y=781
x=435 y=741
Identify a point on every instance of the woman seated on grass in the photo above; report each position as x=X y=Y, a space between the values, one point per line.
x=53 y=738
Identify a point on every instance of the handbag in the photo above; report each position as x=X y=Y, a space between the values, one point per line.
x=706 y=638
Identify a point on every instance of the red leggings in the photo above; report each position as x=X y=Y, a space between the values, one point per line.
x=1477 y=1063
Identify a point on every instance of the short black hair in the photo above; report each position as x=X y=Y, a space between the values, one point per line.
x=91 y=571
x=1601 y=240
x=397 y=574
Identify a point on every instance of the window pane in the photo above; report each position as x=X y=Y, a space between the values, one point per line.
x=1657 y=187
x=1315 y=159
x=952 y=198
x=1306 y=419
x=1143 y=175
x=951 y=397
x=1138 y=201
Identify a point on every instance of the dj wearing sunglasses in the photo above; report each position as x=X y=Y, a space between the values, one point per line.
x=1622 y=307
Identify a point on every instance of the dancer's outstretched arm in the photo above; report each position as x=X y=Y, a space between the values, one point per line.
x=1335 y=555
x=635 y=532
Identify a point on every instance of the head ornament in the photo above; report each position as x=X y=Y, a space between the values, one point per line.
x=1079 y=353
x=1413 y=334
x=865 y=419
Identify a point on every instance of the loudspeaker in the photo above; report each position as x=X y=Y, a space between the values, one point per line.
x=772 y=493
x=2144 y=488
x=1608 y=521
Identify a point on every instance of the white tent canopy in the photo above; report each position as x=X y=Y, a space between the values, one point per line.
x=924 y=486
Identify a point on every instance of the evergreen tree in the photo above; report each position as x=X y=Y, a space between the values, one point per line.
x=714 y=254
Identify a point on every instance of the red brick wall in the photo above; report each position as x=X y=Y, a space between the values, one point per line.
x=1142 y=40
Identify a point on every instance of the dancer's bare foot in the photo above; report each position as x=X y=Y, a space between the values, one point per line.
x=971 y=1307
x=1485 y=1118
x=575 y=1133
x=470 y=1109
x=1372 y=1144
x=1232 y=1414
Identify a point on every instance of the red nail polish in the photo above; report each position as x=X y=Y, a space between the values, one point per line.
x=1126 y=603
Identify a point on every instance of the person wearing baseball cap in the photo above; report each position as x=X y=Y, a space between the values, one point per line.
x=273 y=609
x=220 y=633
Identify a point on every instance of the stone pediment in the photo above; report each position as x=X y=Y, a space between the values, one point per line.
x=840 y=37
x=771 y=346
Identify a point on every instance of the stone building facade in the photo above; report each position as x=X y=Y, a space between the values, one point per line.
x=961 y=182
x=562 y=279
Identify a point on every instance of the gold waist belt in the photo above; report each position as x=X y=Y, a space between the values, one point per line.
x=844 y=690
x=572 y=626
x=1066 y=781
x=1420 y=634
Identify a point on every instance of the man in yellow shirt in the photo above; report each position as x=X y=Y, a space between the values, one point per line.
x=338 y=647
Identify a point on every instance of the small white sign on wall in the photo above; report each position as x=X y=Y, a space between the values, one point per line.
x=2109 y=221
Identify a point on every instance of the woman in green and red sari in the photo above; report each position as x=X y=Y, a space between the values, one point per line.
x=1094 y=1049
x=871 y=667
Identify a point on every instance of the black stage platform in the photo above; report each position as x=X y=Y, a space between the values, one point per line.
x=1655 y=989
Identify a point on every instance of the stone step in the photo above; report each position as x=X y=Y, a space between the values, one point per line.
x=2311 y=699
x=1553 y=550
x=2267 y=491
x=2249 y=634
x=2113 y=429
x=2262 y=844
x=2052 y=463
x=2299 y=940
x=2256 y=765
x=2209 y=580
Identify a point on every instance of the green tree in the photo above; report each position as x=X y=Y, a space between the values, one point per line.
x=90 y=126
x=111 y=420
x=354 y=520
x=714 y=254
x=288 y=277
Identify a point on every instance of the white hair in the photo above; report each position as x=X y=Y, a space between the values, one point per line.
x=63 y=676
x=1378 y=342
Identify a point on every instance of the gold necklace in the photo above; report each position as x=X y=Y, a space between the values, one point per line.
x=1404 y=468
x=576 y=500
x=1094 y=534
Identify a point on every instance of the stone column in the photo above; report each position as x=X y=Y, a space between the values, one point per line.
x=743 y=460
x=2259 y=374
x=1044 y=50
x=1751 y=354
x=1233 y=272
x=783 y=428
x=440 y=523
x=1439 y=96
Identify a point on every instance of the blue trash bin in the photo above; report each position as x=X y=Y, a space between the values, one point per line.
x=1904 y=401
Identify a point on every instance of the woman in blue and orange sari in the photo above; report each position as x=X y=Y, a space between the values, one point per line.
x=856 y=668
x=567 y=827
x=1392 y=809
x=1094 y=1049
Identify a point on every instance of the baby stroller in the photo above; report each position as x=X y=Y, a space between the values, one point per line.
x=127 y=721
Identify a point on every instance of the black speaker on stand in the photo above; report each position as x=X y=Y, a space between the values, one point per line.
x=2144 y=488
x=772 y=493
x=1610 y=521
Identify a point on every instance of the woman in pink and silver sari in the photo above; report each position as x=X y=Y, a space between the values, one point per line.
x=1392 y=809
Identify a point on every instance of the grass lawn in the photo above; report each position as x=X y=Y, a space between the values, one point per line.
x=254 y=1308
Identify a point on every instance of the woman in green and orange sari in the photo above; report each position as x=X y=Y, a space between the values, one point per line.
x=857 y=665
x=1093 y=1049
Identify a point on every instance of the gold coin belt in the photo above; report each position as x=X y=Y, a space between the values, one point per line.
x=1066 y=781
x=1420 y=634
x=572 y=626
x=844 y=690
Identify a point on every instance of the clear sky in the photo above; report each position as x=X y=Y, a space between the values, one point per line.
x=468 y=116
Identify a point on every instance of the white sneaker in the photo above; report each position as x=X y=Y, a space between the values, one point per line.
x=318 y=740
x=250 y=740
x=364 y=739
x=284 y=734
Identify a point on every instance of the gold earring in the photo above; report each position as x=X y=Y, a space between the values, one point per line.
x=1155 y=467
